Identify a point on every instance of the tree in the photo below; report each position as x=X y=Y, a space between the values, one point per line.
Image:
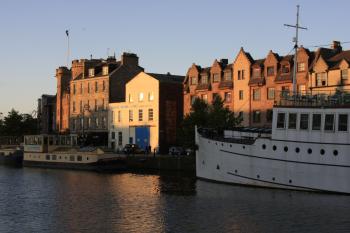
x=202 y=114
x=16 y=124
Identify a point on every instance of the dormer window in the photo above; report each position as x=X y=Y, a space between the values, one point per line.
x=256 y=73
x=204 y=79
x=193 y=80
x=321 y=79
x=270 y=71
x=91 y=72
x=285 y=69
x=301 y=66
x=216 y=78
x=105 y=70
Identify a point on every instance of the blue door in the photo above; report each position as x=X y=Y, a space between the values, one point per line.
x=142 y=136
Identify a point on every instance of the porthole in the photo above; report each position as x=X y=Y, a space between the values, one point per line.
x=309 y=151
x=87 y=158
x=322 y=151
x=297 y=150
x=243 y=147
x=230 y=145
x=208 y=141
x=258 y=176
x=203 y=162
x=274 y=147
x=216 y=143
x=286 y=148
x=236 y=171
x=335 y=152
x=263 y=146
x=273 y=178
x=218 y=167
x=222 y=144
x=290 y=181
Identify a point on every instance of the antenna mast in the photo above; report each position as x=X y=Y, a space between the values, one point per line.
x=68 y=49
x=297 y=27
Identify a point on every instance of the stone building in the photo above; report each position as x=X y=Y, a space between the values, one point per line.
x=46 y=114
x=151 y=113
x=257 y=84
x=84 y=92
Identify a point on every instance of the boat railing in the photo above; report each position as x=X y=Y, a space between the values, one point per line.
x=236 y=135
x=337 y=98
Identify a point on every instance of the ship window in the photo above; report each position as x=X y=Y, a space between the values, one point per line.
x=316 y=121
x=297 y=150
x=264 y=146
x=47 y=157
x=343 y=122
x=309 y=150
x=290 y=181
x=54 y=157
x=274 y=147
x=71 y=158
x=280 y=120
x=329 y=122
x=304 y=121
x=322 y=151
x=79 y=158
x=218 y=167
x=335 y=152
x=292 y=121
x=273 y=178
x=286 y=148
x=258 y=176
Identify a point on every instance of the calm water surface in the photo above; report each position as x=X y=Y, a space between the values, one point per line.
x=43 y=200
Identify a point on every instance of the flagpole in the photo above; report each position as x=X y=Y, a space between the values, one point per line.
x=68 y=49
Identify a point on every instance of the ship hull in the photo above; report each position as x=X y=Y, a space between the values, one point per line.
x=275 y=166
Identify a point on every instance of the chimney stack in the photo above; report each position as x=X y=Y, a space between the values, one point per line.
x=130 y=59
x=336 y=46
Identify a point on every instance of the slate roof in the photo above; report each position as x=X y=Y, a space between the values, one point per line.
x=168 y=78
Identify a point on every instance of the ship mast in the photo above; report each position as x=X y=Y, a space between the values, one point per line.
x=295 y=39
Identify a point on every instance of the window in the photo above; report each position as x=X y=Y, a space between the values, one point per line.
x=88 y=88
x=74 y=106
x=228 y=76
x=256 y=73
x=103 y=122
x=301 y=66
x=89 y=122
x=204 y=79
x=216 y=78
x=103 y=85
x=321 y=79
x=292 y=121
x=119 y=116
x=105 y=70
x=150 y=96
x=130 y=98
x=240 y=115
x=194 y=80
x=241 y=94
x=103 y=104
x=344 y=74
x=256 y=116
x=215 y=95
x=131 y=116
x=120 y=138
x=281 y=120
x=285 y=69
x=304 y=121
x=79 y=158
x=81 y=106
x=95 y=104
x=205 y=97
x=241 y=75
x=329 y=122
x=228 y=97
x=285 y=91
x=150 y=114
x=343 y=122
x=81 y=88
x=96 y=87
x=74 y=89
x=72 y=158
x=193 y=98
x=316 y=121
x=256 y=94
x=91 y=72
x=271 y=93
x=140 y=115
x=270 y=71
x=269 y=114
x=113 y=135
x=141 y=96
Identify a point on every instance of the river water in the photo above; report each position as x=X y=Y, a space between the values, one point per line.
x=44 y=200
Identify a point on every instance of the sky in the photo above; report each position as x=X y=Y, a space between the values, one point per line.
x=167 y=35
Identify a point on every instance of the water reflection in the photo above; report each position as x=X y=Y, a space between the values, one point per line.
x=40 y=200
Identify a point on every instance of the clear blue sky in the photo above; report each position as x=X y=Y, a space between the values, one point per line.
x=167 y=35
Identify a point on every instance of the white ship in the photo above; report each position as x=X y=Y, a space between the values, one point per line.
x=308 y=148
